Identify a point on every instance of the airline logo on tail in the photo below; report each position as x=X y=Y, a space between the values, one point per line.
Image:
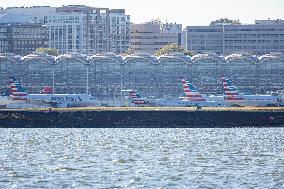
x=134 y=94
x=17 y=92
x=191 y=91
x=136 y=98
x=231 y=92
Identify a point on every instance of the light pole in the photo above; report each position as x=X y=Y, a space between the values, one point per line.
x=121 y=89
x=53 y=70
x=223 y=31
x=87 y=84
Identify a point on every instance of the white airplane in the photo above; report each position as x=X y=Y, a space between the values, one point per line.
x=20 y=96
x=234 y=97
x=280 y=94
x=5 y=100
x=135 y=98
x=192 y=98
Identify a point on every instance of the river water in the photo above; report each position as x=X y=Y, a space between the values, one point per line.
x=142 y=158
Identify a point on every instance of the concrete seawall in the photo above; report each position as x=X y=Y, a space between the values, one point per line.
x=141 y=118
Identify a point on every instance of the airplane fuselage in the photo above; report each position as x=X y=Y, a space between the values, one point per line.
x=255 y=100
x=187 y=103
x=5 y=100
x=65 y=100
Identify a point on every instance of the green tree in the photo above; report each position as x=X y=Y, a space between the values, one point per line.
x=49 y=51
x=128 y=52
x=225 y=21
x=172 y=48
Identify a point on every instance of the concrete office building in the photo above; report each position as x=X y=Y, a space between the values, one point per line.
x=150 y=37
x=79 y=28
x=263 y=37
x=18 y=35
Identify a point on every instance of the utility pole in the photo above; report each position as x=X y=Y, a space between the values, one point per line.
x=223 y=31
x=53 y=79
x=87 y=84
x=88 y=31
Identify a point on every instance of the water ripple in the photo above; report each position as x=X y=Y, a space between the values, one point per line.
x=142 y=158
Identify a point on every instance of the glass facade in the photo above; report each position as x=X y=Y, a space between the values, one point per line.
x=151 y=76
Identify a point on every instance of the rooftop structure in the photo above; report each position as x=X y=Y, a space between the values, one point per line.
x=171 y=27
x=269 y=22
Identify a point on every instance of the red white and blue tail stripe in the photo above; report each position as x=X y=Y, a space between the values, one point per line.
x=191 y=91
x=231 y=92
x=133 y=94
x=17 y=92
x=136 y=98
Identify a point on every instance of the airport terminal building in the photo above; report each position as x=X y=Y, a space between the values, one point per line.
x=104 y=76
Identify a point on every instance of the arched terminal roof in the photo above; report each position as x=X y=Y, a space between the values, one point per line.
x=175 y=57
x=112 y=57
x=272 y=56
x=150 y=58
x=43 y=57
x=142 y=57
x=237 y=57
x=202 y=57
x=78 y=57
x=10 y=57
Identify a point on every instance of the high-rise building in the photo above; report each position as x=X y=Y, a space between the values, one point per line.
x=263 y=37
x=79 y=28
x=150 y=37
x=119 y=30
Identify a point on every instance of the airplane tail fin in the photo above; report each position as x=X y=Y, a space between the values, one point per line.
x=136 y=98
x=231 y=92
x=17 y=92
x=133 y=94
x=191 y=91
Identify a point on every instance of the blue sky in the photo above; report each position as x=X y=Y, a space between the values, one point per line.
x=186 y=12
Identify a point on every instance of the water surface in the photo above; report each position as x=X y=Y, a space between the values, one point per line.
x=142 y=158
